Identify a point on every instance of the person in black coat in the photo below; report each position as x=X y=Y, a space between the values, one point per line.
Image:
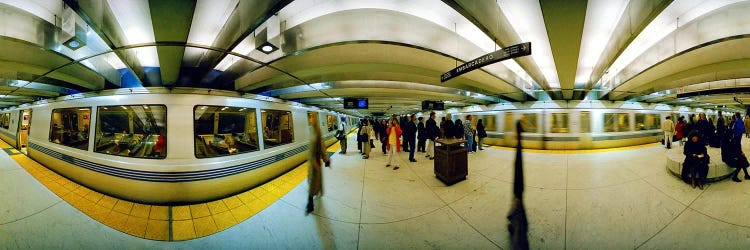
x=481 y=133
x=732 y=155
x=720 y=127
x=703 y=128
x=448 y=127
x=383 y=135
x=421 y=135
x=696 y=160
x=433 y=132
x=458 y=129
x=410 y=134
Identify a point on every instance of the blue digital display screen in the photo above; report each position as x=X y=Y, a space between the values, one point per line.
x=362 y=103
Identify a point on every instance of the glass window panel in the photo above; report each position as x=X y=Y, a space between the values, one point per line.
x=222 y=131
x=5 y=120
x=585 y=122
x=616 y=122
x=70 y=127
x=509 y=122
x=529 y=123
x=312 y=116
x=647 y=121
x=333 y=123
x=277 y=127
x=560 y=123
x=132 y=131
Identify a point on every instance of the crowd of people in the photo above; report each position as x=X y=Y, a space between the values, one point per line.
x=412 y=134
x=698 y=133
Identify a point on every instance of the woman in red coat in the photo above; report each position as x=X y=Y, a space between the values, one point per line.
x=679 y=129
x=394 y=143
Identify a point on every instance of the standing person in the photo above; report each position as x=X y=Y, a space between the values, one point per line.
x=739 y=128
x=442 y=127
x=668 y=128
x=410 y=135
x=469 y=134
x=366 y=133
x=448 y=127
x=341 y=136
x=732 y=155
x=359 y=137
x=481 y=133
x=747 y=126
x=315 y=172
x=383 y=135
x=720 y=125
x=458 y=129
x=421 y=135
x=679 y=129
x=689 y=127
x=394 y=145
x=696 y=160
x=703 y=128
x=432 y=133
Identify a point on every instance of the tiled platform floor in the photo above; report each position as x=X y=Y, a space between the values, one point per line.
x=609 y=199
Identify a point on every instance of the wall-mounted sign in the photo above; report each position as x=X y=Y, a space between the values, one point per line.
x=518 y=50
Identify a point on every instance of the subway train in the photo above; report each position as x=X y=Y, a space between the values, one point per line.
x=139 y=144
x=564 y=125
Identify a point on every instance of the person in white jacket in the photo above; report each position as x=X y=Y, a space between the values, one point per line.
x=668 y=127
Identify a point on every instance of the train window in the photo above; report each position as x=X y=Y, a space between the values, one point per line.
x=5 y=120
x=510 y=124
x=133 y=131
x=332 y=122
x=560 y=123
x=221 y=131
x=277 y=127
x=70 y=127
x=487 y=120
x=313 y=116
x=585 y=122
x=529 y=123
x=647 y=121
x=616 y=122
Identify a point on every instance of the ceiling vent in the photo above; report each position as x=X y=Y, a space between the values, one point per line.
x=73 y=33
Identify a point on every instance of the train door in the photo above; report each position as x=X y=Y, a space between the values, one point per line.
x=23 y=131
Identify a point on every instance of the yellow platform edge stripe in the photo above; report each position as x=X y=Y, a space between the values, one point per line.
x=153 y=222
x=577 y=151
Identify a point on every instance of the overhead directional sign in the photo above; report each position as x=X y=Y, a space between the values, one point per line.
x=518 y=50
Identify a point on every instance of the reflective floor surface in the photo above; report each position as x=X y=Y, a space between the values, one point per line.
x=613 y=199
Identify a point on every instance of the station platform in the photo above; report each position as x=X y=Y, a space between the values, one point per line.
x=573 y=200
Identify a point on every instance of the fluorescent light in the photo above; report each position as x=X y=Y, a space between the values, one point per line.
x=224 y=108
x=664 y=24
x=527 y=20
x=601 y=18
x=123 y=107
x=134 y=18
x=209 y=18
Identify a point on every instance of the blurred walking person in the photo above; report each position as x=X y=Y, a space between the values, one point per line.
x=315 y=172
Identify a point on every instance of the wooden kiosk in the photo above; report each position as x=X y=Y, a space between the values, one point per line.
x=451 y=161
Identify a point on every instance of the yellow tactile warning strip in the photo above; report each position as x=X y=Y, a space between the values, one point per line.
x=577 y=151
x=165 y=223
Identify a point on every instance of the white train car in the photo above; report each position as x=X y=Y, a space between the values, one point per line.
x=163 y=146
x=574 y=124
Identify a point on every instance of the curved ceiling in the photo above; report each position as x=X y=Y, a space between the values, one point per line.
x=390 y=51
